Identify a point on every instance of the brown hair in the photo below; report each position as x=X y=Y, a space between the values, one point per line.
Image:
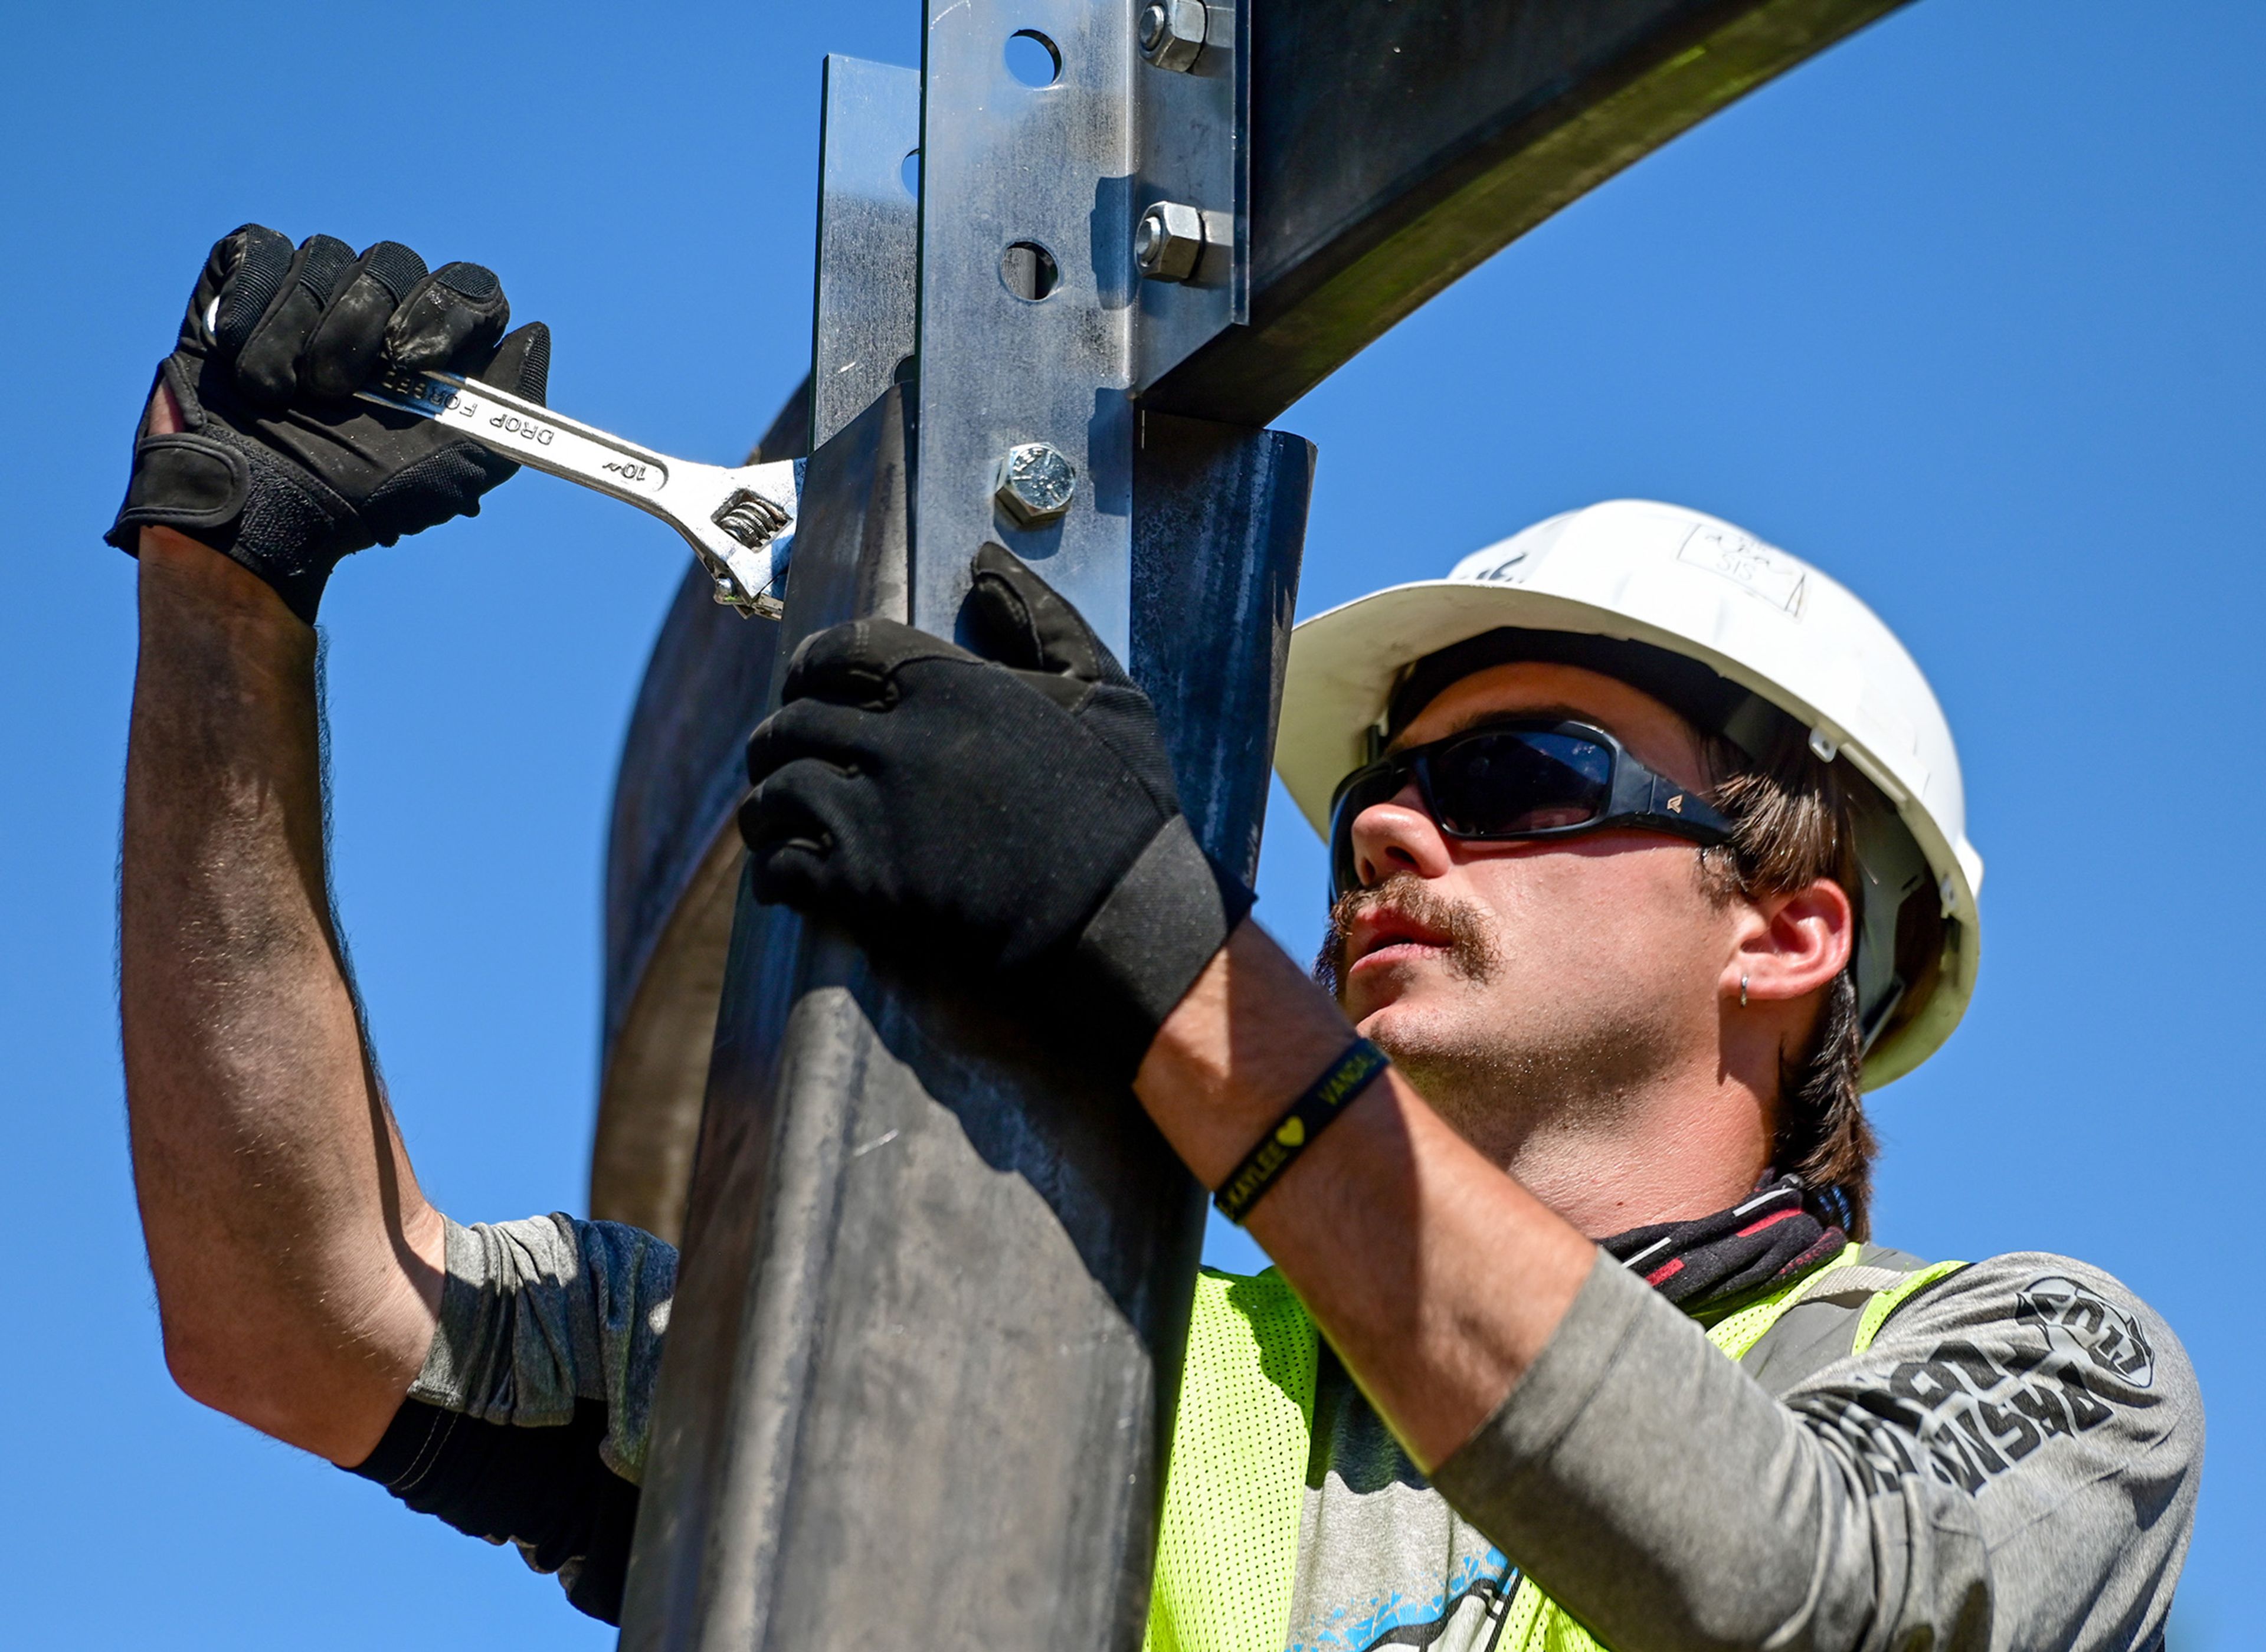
x=1792 y=825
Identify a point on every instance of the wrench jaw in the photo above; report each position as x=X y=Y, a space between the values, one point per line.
x=751 y=583
x=748 y=539
x=739 y=523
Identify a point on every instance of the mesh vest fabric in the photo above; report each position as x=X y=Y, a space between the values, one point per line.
x=1885 y=1302
x=1227 y=1550
x=1228 y=1546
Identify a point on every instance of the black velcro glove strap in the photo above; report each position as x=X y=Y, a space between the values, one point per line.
x=1008 y=813
x=196 y=481
x=276 y=464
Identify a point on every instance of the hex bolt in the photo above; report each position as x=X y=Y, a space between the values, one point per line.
x=1169 y=241
x=1035 y=484
x=1172 y=33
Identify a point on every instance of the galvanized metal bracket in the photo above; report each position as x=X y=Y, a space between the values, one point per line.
x=1026 y=297
x=1192 y=189
x=863 y=321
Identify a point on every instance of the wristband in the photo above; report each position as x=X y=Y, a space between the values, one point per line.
x=1306 y=1118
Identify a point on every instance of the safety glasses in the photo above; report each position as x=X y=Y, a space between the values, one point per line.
x=1511 y=780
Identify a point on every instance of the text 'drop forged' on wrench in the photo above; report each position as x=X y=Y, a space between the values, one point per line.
x=739 y=520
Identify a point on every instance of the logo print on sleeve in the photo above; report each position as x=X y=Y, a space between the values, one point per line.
x=2082 y=1323
x=2071 y=1357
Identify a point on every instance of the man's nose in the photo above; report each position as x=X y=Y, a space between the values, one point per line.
x=1397 y=834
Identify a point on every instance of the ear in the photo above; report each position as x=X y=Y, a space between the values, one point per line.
x=1792 y=945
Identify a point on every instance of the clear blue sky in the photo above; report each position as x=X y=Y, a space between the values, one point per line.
x=1968 y=312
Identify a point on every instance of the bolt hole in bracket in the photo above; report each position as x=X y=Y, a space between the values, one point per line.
x=1029 y=271
x=1032 y=59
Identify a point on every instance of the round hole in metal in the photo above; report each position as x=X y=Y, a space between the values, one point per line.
x=1032 y=59
x=1029 y=270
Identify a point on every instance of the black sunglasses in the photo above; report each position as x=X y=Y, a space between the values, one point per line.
x=1521 y=779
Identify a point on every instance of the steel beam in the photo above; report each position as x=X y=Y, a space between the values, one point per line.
x=1393 y=148
x=868 y=222
x=1190 y=113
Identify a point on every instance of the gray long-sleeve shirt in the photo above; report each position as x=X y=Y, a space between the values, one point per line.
x=2012 y=1463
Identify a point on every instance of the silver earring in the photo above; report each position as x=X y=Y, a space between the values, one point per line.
x=1743 y=992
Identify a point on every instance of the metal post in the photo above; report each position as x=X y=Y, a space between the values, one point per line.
x=936 y=1277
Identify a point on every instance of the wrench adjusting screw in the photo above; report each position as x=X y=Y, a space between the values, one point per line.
x=750 y=518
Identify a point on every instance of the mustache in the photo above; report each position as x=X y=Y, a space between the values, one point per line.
x=1469 y=932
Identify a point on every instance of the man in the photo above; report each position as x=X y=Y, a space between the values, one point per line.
x=1648 y=848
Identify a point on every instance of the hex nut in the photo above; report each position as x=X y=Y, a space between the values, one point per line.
x=1168 y=242
x=1035 y=484
x=1172 y=33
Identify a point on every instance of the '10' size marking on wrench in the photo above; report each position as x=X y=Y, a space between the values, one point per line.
x=739 y=520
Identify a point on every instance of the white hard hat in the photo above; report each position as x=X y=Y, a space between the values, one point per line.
x=1765 y=623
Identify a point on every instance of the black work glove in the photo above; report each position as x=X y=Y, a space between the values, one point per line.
x=1006 y=816
x=276 y=464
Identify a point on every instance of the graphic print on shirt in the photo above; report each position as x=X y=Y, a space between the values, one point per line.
x=1980 y=1404
x=1467 y=1616
x=2079 y=1321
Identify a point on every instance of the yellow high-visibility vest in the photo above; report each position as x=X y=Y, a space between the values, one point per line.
x=1227 y=1550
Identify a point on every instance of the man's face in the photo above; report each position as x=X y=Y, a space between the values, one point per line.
x=1533 y=987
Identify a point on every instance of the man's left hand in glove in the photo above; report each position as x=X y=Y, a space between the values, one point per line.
x=1008 y=812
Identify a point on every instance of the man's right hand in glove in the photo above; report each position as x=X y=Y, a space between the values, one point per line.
x=253 y=442
x=297 y=1267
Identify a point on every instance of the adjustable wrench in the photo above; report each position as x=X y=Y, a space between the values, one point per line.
x=740 y=522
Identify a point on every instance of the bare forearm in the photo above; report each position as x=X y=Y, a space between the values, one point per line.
x=1437 y=1277
x=296 y=1264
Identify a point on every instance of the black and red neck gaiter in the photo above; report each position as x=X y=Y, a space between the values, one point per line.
x=1768 y=1240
